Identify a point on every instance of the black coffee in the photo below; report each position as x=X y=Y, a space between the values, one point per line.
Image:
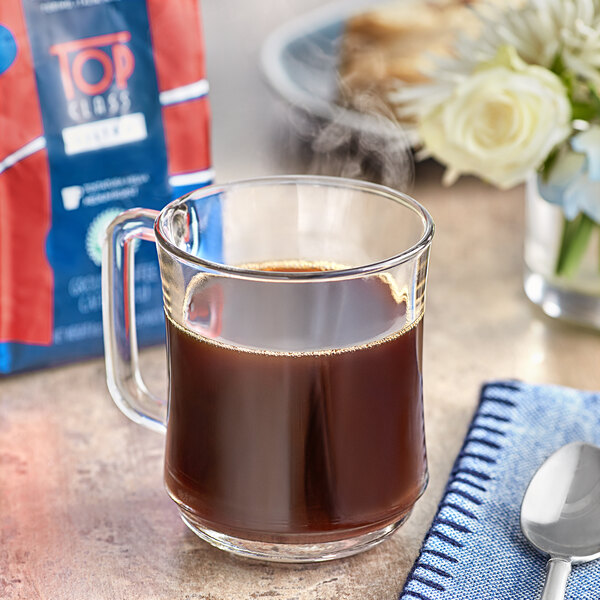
x=298 y=446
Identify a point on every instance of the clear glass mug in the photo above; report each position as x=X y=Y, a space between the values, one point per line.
x=294 y=315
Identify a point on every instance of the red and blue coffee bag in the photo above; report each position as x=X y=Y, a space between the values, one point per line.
x=103 y=107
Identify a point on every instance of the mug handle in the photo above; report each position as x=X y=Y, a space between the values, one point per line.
x=123 y=376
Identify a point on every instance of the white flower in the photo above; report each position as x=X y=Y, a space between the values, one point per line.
x=500 y=123
x=539 y=30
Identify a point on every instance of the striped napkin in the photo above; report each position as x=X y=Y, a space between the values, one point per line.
x=475 y=549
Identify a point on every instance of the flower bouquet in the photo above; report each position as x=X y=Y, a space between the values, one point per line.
x=521 y=102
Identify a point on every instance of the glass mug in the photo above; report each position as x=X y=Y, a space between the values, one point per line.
x=294 y=316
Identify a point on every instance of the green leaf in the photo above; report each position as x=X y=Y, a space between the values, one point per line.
x=558 y=66
x=549 y=164
x=575 y=238
x=584 y=111
x=568 y=79
x=598 y=232
x=595 y=98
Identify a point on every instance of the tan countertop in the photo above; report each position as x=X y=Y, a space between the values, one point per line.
x=83 y=512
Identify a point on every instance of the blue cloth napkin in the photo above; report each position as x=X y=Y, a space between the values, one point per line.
x=475 y=549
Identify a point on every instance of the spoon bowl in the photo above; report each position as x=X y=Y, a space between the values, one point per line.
x=560 y=514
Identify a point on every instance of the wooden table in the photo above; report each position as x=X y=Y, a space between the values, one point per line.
x=83 y=512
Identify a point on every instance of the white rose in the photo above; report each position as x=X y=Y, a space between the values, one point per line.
x=500 y=123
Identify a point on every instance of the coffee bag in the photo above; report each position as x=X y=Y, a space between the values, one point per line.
x=103 y=106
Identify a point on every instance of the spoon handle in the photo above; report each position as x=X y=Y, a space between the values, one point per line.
x=557 y=570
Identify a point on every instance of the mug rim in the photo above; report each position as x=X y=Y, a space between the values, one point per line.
x=327 y=181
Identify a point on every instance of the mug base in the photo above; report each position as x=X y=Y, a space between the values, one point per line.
x=290 y=552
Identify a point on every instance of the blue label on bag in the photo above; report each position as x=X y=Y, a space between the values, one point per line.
x=99 y=149
x=106 y=151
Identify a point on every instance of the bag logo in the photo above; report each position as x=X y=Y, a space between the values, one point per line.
x=92 y=66
x=109 y=51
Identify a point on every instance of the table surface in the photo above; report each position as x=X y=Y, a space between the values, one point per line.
x=83 y=512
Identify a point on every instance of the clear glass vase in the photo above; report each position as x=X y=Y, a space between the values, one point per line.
x=562 y=277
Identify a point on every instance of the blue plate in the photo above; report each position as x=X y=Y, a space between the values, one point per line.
x=300 y=63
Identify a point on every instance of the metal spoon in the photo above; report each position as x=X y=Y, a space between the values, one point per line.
x=560 y=514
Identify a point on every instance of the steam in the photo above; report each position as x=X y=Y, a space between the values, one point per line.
x=377 y=149
x=364 y=141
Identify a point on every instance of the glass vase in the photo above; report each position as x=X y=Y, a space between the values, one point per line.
x=562 y=273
